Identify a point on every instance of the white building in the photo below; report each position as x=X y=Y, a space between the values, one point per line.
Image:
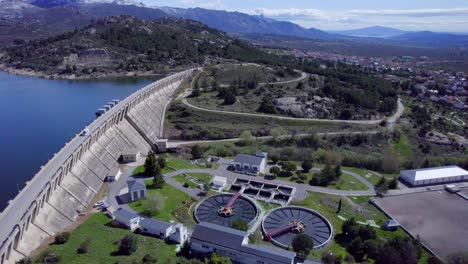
x=127 y=218
x=432 y=176
x=250 y=164
x=218 y=182
x=136 y=189
x=174 y=232
x=114 y=175
x=130 y=155
x=208 y=238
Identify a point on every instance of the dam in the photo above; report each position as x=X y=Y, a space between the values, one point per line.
x=66 y=185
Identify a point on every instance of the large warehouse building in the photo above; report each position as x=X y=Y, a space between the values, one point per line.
x=431 y=176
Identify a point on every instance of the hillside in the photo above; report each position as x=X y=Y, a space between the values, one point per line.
x=236 y=22
x=124 y=45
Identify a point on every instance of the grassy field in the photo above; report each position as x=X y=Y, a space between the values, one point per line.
x=172 y=198
x=187 y=123
x=403 y=148
x=183 y=180
x=102 y=246
x=357 y=207
x=173 y=163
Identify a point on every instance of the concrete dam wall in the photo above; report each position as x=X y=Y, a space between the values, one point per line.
x=66 y=185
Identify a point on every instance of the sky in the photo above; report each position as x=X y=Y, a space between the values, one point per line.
x=435 y=15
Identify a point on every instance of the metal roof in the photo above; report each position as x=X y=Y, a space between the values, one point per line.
x=219 y=235
x=268 y=252
x=135 y=184
x=248 y=159
x=232 y=238
x=434 y=173
x=125 y=214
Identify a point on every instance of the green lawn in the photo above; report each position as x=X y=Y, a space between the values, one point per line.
x=172 y=198
x=103 y=238
x=182 y=180
x=204 y=177
x=403 y=148
x=348 y=182
x=173 y=162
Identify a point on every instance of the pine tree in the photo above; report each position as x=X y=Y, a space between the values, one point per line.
x=151 y=165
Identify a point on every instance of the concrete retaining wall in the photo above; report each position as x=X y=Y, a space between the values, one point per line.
x=65 y=186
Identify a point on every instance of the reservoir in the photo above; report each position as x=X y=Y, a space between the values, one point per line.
x=38 y=116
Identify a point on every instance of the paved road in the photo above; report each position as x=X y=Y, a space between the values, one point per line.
x=392 y=120
x=301 y=189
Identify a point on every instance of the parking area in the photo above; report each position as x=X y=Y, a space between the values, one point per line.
x=439 y=218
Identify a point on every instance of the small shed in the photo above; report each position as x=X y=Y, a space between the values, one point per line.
x=130 y=155
x=114 y=175
x=127 y=218
x=136 y=189
x=218 y=182
x=390 y=225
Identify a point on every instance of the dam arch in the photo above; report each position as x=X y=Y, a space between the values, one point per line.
x=81 y=166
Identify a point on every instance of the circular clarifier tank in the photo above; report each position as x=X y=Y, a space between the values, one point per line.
x=283 y=224
x=218 y=210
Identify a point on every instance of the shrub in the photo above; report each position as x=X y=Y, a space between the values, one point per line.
x=84 y=247
x=149 y=259
x=62 y=238
x=239 y=225
x=25 y=260
x=51 y=258
x=128 y=245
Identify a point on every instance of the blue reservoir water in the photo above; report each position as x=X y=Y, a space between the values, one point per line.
x=37 y=117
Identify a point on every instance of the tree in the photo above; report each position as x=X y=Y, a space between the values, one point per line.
x=197 y=152
x=162 y=162
x=128 y=245
x=289 y=166
x=300 y=85
x=306 y=165
x=229 y=98
x=332 y=158
x=277 y=132
x=218 y=259
x=247 y=138
x=275 y=171
x=356 y=248
x=338 y=171
x=158 y=181
x=302 y=244
x=382 y=186
x=239 y=225
x=329 y=258
x=393 y=184
x=154 y=203
x=275 y=158
x=267 y=106
x=151 y=164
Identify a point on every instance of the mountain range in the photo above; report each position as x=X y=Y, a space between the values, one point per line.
x=372 y=32
x=31 y=19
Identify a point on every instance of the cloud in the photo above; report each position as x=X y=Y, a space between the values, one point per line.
x=413 y=12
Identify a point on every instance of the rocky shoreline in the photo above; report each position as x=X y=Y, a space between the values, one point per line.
x=71 y=77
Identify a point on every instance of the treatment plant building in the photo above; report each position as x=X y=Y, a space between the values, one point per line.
x=432 y=176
